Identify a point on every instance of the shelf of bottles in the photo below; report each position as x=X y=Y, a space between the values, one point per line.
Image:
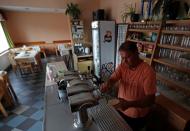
x=77 y=30
x=172 y=63
x=145 y=35
x=143 y=26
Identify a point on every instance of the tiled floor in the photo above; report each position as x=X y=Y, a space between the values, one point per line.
x=28 y=114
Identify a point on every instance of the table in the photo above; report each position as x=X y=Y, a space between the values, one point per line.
x=27 y=56
x=28 y=60
x=58 y=116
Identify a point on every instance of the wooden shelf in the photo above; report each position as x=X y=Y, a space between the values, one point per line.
x=147 y=60
x=177 y=115
x=172 y=64
x=178 y=21
x=84 y=56
x=176 y=109
x=174 y=84
x=176 y=100
x=143 y=30
x=174 y=47
x=143 y=42
x=146 y=22
x=176 y=32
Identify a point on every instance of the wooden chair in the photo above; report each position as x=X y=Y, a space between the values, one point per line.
x=12 y=61
x=42 y=50
x=37 y=66
x=1 y=96
x=39 y=49
x=25 y=67
x=9 y=93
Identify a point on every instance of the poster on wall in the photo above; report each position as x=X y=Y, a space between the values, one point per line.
x=106 y=70
x=108 y=37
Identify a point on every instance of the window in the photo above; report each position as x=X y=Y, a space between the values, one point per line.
x=3 y=40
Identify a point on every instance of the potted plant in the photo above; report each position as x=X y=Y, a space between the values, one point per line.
x=73 y=11
x=131 y=12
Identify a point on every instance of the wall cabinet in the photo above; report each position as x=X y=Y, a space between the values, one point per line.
x=82 y=61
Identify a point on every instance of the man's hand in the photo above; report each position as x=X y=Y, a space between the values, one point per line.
x=122 y=105
x=104 y=87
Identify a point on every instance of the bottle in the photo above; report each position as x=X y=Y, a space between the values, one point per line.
x=87 y=50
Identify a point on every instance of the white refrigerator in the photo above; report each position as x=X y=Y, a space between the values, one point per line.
x=104 y=48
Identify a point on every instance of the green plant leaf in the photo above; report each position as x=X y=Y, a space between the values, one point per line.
x=73 y=10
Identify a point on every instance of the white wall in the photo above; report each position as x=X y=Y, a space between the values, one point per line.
x=4 y=61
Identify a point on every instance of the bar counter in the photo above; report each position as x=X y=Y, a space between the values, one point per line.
x=58 y=115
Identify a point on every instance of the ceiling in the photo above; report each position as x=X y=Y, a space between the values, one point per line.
x=55 y=6
x=32 y=9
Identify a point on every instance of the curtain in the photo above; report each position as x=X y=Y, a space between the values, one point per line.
x=9 y=40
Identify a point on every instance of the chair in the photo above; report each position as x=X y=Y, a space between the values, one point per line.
x=63 y=49
x=25 y=66
x=12 y=61
x=43 y=52
x=9 y=93
x=38 y=49
x=61 y=46
x=1 y=96
x=37 y=65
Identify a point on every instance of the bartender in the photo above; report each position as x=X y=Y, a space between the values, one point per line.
x=137 y=86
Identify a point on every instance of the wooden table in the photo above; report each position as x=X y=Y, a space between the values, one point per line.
x=32 y=57
x=27 y=56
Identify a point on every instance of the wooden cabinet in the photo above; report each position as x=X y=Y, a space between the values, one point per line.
x=170 y=57
x=83 y=63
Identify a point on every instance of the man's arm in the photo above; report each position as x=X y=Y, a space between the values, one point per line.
x=112 y=80
x=147 y=101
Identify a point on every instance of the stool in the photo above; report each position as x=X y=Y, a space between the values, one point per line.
x=9 y=94
x=1 y=96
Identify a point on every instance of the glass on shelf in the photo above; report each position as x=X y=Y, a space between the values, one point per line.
x=173 y=74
